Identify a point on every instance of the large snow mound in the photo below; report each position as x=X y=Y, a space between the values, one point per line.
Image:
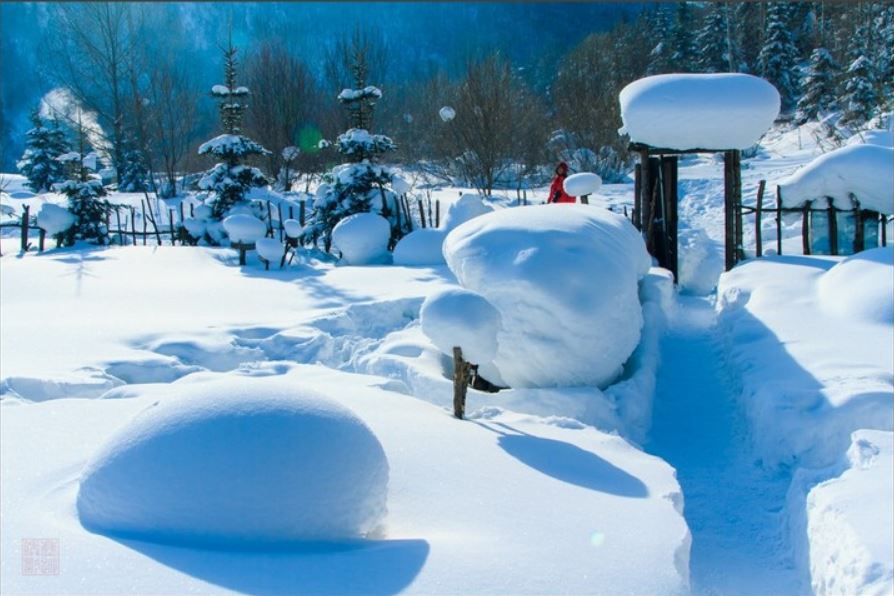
x=565 y=281
x=861 y=286
x=55 y=219
x=698 y=111
x=866 y=171
x=882 y=138
x=460 y=318
x=467 y=207
x=362 y=239
x=239 y=462
x=849 y=521
x=420 y=247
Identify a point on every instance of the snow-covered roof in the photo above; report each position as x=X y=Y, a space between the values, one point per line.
x=698 y=111
x=866 y=171
x=355 y=94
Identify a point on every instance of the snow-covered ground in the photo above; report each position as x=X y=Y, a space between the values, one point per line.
x=769 y=448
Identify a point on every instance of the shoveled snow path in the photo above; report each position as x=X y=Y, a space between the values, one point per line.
x=732 y=505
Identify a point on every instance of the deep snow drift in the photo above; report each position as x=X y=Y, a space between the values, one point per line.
x=698 y=111
x=243 y=462
x=565 y=281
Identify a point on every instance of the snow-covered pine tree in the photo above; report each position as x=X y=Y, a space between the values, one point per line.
x=884 y=25
x=819 y=85
x=230 y=178
x=660 y=56
x=778 y=57
x=134 y=173
x=860 y=98
x=84 y=190
x=684 y=52
x=712 y=41
x=360 y=185
x=42 y=146
x=746 y=22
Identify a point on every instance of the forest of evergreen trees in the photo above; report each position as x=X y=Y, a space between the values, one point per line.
x=516 y=108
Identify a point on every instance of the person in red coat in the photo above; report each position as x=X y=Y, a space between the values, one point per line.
x=557 y=192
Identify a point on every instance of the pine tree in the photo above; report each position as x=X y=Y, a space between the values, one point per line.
x=820 y=84
x=860 y=98
x=230 y=179
x=746 y=20
x=712 y=41
x=778 y=56
x=660 y=57
x=684 y=54
x=84 y=190
x=134 y=173
x=358 y=186
x=38 y=162
x=884 y=25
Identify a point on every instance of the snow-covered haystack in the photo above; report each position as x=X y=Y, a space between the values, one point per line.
x=882 y=138
x=420 y=247
x=698 y=111
x=584 y=183
x=861 y=287
x=244 y=228
x=460 y=318
x=55 y=219
x=238 y=462
x=866 y=171
x=362 y=239
x=565 y=281
x=467 y=207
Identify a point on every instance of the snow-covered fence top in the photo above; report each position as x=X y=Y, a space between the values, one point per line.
x=866 y=171
x=698 y=111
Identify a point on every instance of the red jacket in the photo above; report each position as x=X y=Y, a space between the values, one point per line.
x=557 y=193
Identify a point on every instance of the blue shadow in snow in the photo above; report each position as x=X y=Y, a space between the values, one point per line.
x=568 y=463
x=363 y=567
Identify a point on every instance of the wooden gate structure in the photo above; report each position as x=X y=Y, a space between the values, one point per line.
x=656 y=198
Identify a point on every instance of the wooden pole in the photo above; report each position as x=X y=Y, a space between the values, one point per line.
x=670 y=168
x=269 y=220
x=118 y=219
x=133 y=225
x=637 y=194
x=301 y=212
x=421 y=212
x=758 y=248
x=732 y=198
x=884 y=229
x=181 y=212
x=643 y=208
x=279 y=216
x=438 y=212
x=460 y=383
x=41 y=239
x=833 y=228
x=171 y=224
x=26 y=217
x=397 y=213
x=778 y=221
x=585 y=199
x=805 y=228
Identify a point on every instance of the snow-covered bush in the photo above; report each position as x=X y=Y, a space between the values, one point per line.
x=565 y=281
x=42 y=146
x=421 y=247
x=238 y=462
x=464 y=319
x=55 y=221
x=84 y=191
x=230 y=178
x=134 y=173
x=244 y=228
x=467 y=207
x=362 y=239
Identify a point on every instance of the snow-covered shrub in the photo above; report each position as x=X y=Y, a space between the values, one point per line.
x=421 y=247
x=84 y=191
x=861 y=287
x=362 y=239
x=467 y=207
x=244 y=228
x=464 y=319
x=565 y=281
x=55 y=221
x=239 y=462
x=42 y=146
x=134 y=173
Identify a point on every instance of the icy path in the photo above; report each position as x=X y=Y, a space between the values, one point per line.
x=732 y=506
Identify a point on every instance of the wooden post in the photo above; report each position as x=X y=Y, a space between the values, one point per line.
x=833 y=229
x=192 y=210
x=778 y=221
x=133 y=225
x=585 y=199
x=732 y=198
x=758 y=248
x=669 y=175
x=460 y=383
x=438 y=212
x=181 y=212
x=644 y=208
x=421 y=212
x=26 y=217
x=397 y=213
x=805 y=229
x=171 y=224
x=524 y=196
x=118 y=219
x=884 y=229
x=41 y=239
x=143 y=211
x=637 y=195
x=301 y=212
x=279 y=216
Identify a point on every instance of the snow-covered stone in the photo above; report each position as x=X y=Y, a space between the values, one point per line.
x=362 y=239
x=270 y=249
x=292 y=228
x=467 y=207
x=861 y=286
x=882 y=138
x=420 y=247
x=55 y=219
x=461 y=318
x=565 y=281
x=584 y=183
x=244 y=228
x=698 y=111
x=447 y=113
x=866 y=171
x=244 y=462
